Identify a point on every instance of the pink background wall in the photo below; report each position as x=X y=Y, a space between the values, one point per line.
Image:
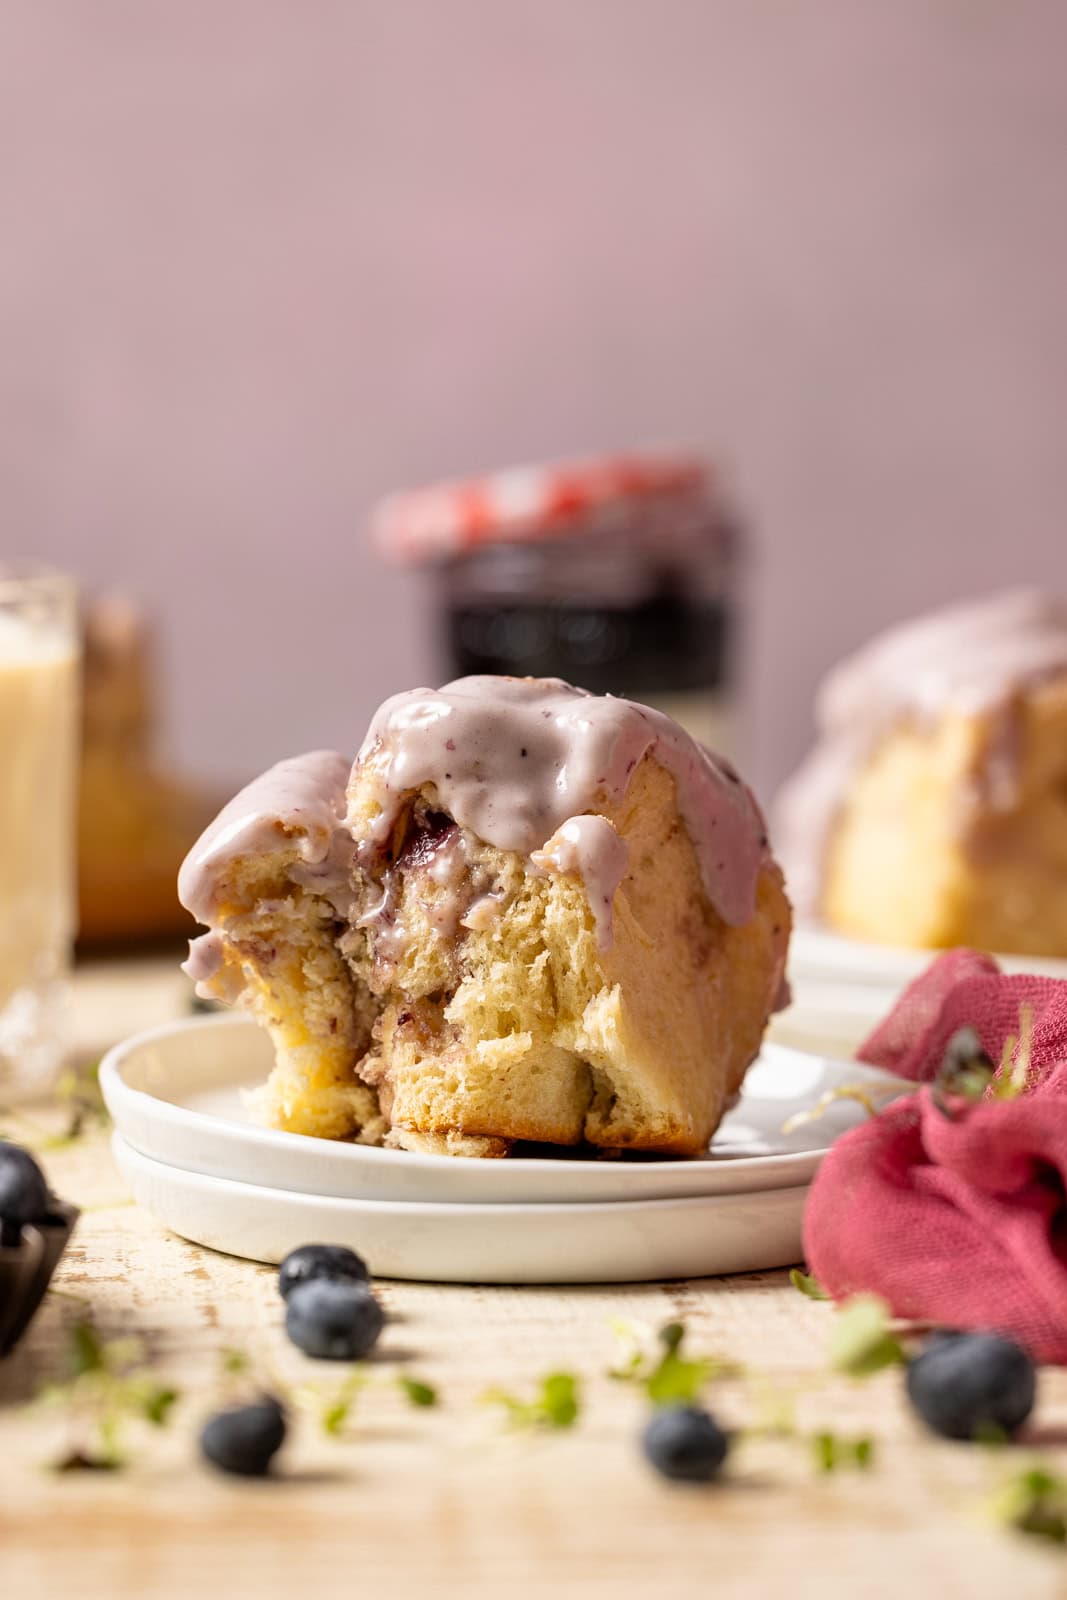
x=262 y=261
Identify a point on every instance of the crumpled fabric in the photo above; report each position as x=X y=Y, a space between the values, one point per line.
x=956 y=1212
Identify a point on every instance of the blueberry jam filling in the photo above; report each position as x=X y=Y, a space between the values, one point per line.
x=429 y=831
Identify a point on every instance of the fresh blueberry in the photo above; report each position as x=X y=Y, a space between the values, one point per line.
x=971 y=1385
x=24 y=1195
x=333 y=1320
x=684 y=1442
x=320 y=1261
x=245 y=1439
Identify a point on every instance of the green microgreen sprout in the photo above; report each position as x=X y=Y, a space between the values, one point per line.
x=630 y=1356
x=967 y=1074
x=107 y=1384
x=556 y=1403
x=233 y=1362
x=1013 y=1074
x=332 y=1404
x=808 y=1285
x=418 y=1392
x=863 y=1095
x=1033 y=1501
x=861 y=1339
x=337 y=1410
x=831 y=1451
x=667 y=1375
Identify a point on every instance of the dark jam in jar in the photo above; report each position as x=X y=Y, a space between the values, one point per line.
x=616 y=575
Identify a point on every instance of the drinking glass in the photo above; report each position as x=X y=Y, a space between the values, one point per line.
x=39 y=696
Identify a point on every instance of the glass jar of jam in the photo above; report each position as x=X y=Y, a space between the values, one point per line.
x=618 y=574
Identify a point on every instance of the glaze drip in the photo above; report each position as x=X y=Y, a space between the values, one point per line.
x=589 y=848
x=299 y=802
x=514 y=759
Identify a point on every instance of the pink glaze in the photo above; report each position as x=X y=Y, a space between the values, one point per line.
x=297 y=803
x=589 y=848
x=514 y=759
x=206 y=966
x=975 y=658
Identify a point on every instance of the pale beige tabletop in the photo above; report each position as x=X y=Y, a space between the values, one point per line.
x=447 y=1501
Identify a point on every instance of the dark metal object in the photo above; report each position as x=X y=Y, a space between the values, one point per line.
x=26 y=1271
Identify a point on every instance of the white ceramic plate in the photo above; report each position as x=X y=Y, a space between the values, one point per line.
x=829 y=1017
x=617 y=1242
x=817 y=953
x=175 y=1094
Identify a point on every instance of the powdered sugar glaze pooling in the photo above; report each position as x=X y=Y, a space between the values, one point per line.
x=513 y=759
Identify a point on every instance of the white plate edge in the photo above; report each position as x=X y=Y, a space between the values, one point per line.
x=115 y=1090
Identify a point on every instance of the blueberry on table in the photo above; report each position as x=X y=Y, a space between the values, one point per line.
x=972 y=1385
x=685 y=1443
x=333 y=1320
x=320 y=1261
x=246 y=1439
x=24 y=1194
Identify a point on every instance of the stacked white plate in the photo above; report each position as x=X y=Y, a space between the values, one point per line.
x=192 y=1155
x=842 y=988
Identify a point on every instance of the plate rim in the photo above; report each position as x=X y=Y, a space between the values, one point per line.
x=447 y=1209
x=886 y=966
x=781 y=1169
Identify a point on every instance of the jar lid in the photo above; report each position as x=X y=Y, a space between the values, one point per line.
x=548 y=501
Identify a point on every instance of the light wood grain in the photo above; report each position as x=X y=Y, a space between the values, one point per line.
x=446 y=1502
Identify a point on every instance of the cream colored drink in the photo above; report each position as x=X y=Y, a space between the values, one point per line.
x=38 y=745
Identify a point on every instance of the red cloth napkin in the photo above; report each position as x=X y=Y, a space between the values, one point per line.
x=958 y=1220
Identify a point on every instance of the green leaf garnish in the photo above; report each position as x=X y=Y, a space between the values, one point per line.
x=806 y=1284
x=334 y=1416
x=831 y=1450
x=1014 y=1071
x=85 y=1351
x=677 y=1381
x=419 y=1393
x=669 y=1378
x=860 y=1338
x=967 y=1075
x=108 y=1383
x=156 y=1405
x=964 y=1076
x=557 y=1403
x=627 y=1369
x=336 y=1404
x=630 y=1357
x=559 y=1399
x=1034 y=1501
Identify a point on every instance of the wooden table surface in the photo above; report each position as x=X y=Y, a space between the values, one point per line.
x=449 y=1501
